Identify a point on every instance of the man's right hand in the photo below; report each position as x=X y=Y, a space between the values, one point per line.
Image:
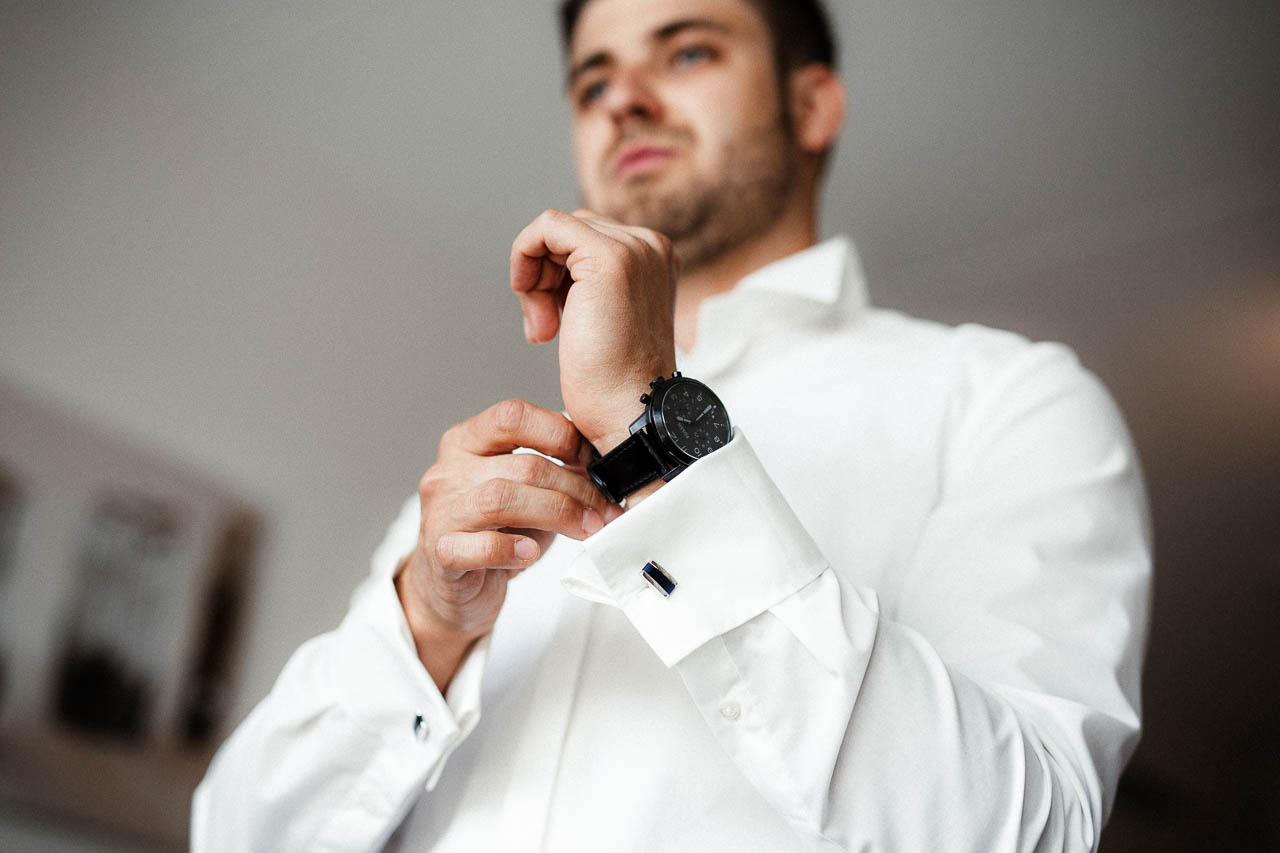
x=487 y=514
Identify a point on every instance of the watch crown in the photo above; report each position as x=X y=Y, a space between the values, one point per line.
x=644 y=398
x=655 y=382
x=674 y=375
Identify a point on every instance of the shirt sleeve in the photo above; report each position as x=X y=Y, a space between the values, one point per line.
x=997 y=707
x=352 y=733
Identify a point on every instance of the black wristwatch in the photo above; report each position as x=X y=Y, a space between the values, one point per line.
x=683 y=421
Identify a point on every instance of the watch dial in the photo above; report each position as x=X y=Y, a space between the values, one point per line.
x=695 y=419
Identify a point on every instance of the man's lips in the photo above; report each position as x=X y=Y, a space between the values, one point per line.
x=639 y=158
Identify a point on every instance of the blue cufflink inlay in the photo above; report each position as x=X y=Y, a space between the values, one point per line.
x=658 y=579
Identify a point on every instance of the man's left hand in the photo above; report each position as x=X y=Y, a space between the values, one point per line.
x=608 y=290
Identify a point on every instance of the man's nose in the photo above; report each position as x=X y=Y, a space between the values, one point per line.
x=631 y=95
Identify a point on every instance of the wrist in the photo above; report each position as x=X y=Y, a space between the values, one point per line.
x=439 y=646
x=608 y=442
x=608 y=422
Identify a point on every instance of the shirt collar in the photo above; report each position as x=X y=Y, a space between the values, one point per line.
x=819 y=278
x=821 y=273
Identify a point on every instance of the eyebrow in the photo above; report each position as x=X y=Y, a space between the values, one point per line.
x=661 y=34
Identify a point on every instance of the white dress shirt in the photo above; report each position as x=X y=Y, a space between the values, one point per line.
x=909 y=616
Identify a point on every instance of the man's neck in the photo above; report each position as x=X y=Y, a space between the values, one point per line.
x=791 y=234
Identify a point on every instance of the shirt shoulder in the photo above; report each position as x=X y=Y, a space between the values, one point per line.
x=962 y=387
x=971 y=358
x=915 y=337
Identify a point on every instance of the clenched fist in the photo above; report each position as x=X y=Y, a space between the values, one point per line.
x=608 y=290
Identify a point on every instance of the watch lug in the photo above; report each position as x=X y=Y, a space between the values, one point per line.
x=639 y=423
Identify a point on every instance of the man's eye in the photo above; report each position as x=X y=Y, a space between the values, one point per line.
x=591 y=94
x=689 y=55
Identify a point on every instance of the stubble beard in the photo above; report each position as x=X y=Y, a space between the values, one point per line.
x=709 y=216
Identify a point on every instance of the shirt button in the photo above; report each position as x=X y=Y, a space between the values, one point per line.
x=421 y=730
x=731 y=711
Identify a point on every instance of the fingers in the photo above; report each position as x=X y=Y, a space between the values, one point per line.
x=534 y=470
x=559 y=248
x=556 y=241
x=541 y=305
x=465 y=551
x=501 y=503
x=541 y=312
x=542 y=537
x=552 y=238
x=655 y=240
x=540 y=257
x=505 y=426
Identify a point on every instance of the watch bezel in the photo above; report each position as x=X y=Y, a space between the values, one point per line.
x=662 y=435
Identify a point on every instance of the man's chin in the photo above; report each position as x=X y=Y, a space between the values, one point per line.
x=651 y=206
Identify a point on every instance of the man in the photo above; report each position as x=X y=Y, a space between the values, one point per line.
x=908 y=615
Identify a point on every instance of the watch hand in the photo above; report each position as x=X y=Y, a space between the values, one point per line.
x=704 y=413
x=683 y=420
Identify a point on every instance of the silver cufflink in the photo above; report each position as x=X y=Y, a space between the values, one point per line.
x=658 y=578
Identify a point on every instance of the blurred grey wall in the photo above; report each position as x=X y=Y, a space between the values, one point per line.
x=269 y=241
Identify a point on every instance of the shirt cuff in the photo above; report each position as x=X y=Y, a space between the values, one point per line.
x=384 y=686
x=722 y=531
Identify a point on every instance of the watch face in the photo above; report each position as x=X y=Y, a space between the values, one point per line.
x=691 y=419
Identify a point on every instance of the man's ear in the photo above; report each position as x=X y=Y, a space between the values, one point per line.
x=817 y=107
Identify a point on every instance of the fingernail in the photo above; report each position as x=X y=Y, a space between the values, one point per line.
x=526 y=549
x=611 y=512
x=591 y=521
x=528 y=330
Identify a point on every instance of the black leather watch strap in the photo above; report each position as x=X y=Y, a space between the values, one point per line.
x=626 y=468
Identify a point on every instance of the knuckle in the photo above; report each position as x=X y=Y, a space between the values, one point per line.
x=430 y=481
x=618 y=248
x=665 y=247
x=566 y=436
x=494 y=497
x=655 y=244
x=507 y=416
x=493 y=549
x=529 y=468
x=449 y=438
x=446 y=551
x=568 y=510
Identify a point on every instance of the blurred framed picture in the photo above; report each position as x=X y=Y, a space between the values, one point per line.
x=123 y=579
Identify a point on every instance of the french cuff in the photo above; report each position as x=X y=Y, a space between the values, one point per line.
x=721 y=532
x=381 y=681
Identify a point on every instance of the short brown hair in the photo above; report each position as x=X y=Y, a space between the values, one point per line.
x=800 y=30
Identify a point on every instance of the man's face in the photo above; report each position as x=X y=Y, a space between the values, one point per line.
x=677 y=120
